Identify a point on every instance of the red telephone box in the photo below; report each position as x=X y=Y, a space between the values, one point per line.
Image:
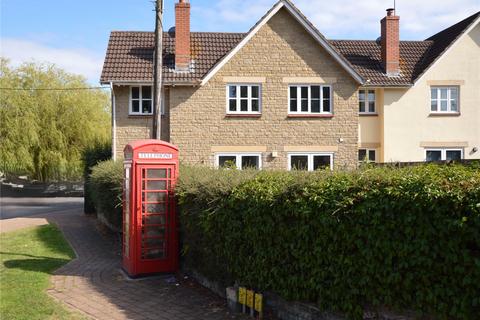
x=150 y=234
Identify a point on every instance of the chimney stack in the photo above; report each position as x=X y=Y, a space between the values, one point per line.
x=390 y=40
x=182 y=36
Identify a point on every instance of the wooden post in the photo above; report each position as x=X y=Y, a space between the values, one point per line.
x=157 y=72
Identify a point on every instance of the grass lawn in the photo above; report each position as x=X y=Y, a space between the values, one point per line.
x=28 y=258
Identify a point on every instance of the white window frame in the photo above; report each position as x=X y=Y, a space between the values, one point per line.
x=368 y=160
x=249 y=97
x=299 y=99
x=444 y=152
x=238 y=159
x=449 y=100
x=140 y=99
x=310 y=156
x=367 y=102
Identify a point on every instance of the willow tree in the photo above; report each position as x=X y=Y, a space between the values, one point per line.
x=46 y=120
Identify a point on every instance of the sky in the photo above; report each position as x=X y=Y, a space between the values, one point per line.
x=74 y=33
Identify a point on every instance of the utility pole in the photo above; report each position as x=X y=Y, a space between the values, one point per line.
x=157 y=71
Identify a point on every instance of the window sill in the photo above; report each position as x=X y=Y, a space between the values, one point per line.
x=245 y=115
x=446 y=114
x=365 y=114
x=328 y=116
x=139 y=115
x=142 y=115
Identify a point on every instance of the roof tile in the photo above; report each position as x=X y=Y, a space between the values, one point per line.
x=129 y=55
x=365 y=56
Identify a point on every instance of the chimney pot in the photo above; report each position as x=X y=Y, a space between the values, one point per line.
x=182 y=36
x=390 y=12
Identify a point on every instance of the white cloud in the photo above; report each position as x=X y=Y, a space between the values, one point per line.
x=78 y=61
x=349 y=19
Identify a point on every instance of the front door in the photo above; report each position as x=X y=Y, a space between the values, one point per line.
x=157 y=227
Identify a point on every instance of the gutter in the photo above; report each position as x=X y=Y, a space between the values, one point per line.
x=388 y=87
x=369 y=84
x=143 y=82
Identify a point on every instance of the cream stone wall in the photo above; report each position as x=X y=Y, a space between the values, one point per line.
x=408 y=125
x=281 y=49
x=131 y=128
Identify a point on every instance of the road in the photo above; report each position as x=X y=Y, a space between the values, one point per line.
x=27 y=207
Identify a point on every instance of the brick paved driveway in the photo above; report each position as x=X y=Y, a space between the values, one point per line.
x=94 y=284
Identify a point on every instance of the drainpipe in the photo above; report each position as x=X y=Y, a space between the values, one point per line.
x=114 y=124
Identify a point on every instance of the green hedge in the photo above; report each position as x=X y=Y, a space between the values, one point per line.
x=397 y=238
x=92 y=155
x=106 y=191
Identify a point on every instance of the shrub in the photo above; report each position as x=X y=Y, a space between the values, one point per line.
x=398 y=238
x=197 y=187
x=92 y=155
x=106 y=192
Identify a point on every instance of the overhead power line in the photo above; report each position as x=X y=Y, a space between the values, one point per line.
x=54 y=89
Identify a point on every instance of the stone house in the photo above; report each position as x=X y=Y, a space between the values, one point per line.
x=282 y=96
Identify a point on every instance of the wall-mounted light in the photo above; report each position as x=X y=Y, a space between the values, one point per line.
x=340 y=140
x=274 y=154
x=475 y=149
